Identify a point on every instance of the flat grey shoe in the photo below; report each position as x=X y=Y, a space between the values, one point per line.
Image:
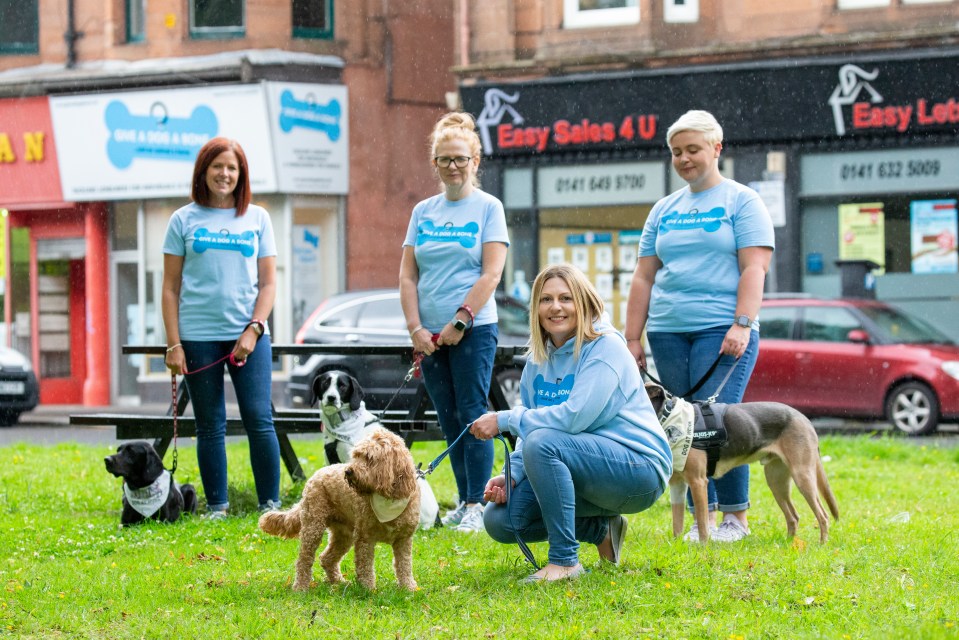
x=617 y=534
x=575 y=573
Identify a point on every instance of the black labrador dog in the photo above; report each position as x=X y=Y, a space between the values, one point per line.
x=149 y=491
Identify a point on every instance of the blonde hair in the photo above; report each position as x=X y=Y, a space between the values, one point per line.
x=457 y=125
x=586 y=300
x=701 y=121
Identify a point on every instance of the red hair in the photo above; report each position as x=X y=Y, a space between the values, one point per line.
x=206 y=156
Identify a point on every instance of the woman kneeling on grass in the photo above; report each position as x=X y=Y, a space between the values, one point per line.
x=590 y=447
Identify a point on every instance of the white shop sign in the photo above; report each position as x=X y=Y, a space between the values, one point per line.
x=601 y=184
x=142 y=144
x=864 y=172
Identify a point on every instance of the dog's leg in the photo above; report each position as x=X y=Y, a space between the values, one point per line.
x=363 y=554
x=805 y=479
x=403 y=563
x=677 y=500
x=697 y=487
x=341 y=539
x=311 y=536
x=778 y=478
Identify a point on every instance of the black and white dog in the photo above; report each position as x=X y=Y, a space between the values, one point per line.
x=346 y=421
x=149 y=491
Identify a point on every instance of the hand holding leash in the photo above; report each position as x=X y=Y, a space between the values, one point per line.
x=485 y=427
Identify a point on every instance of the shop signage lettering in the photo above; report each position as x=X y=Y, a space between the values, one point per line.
x=896 y=171
x=585 y=132
x=900 y=117
x=890 y=170
x=32 y=147
x=593 y=185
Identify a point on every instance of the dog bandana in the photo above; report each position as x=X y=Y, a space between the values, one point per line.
x=387 y=509
x=149 y=499
x=346 y=426
x=678 y=425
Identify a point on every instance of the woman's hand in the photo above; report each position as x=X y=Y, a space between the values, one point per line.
x=485 y=427
x=450 y=336
x=175 y=361
x=245 y=345
x=496 y=490
x=736 y=341
x=423 y=342
x=639 y=353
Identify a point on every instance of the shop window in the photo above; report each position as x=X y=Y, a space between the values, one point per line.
x=19 y=28
x=313 y=19
x=136 y=20
x=217 y=18
x=676 y=11
x=599 y=13
x=862 y=4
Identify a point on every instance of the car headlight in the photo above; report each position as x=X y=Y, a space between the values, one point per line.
x=951 y=368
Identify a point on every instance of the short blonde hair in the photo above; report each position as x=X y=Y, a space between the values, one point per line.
x=457 y=125
x=701 y=121
x=589 y=308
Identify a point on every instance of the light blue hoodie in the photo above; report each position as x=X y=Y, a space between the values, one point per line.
x=600 y=393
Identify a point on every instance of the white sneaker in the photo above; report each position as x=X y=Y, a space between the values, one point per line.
x=454 y=516
x=693 y=534
x=473 y=520
x=731 y=530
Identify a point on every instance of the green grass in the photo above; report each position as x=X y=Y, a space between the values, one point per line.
x=69 y=571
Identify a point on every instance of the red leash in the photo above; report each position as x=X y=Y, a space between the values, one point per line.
x=173 y=403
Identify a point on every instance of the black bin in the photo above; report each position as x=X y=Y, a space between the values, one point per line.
x=857 y=279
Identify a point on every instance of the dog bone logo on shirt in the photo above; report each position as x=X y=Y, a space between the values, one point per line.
x=551 y=393
x=710 y=221
x=465 y=235
x=156 y=136
x=308 y=114
x=203 y=239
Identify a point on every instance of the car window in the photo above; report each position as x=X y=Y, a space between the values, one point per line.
x=828 y=324
x=777 y=322
x=382 y=314
x=899 y=327
x=344 y=316
x=513 y=318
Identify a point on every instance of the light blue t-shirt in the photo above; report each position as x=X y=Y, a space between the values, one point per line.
x=697 y=236
x=601 y=393
x=447 y=237
x=220 y=270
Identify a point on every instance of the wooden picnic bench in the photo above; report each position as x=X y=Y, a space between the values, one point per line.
x=416 y=425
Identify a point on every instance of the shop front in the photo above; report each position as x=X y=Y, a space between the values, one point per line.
x=855 y=157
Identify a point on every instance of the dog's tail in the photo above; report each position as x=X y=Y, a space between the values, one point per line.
x=285 y=524
x=825 y=490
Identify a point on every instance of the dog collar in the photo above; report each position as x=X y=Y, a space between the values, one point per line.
x=387 y=509
x=147 y=500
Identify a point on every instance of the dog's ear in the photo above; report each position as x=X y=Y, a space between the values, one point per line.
x=154 y=465
x=356 y=393
x=657 y=395
x=317 y=386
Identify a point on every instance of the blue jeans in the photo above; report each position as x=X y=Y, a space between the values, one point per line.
x=252 y=383
x=681 y=360
x=573 y=484
x=457 y=379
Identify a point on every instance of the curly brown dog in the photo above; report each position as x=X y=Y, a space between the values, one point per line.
x=374 y=498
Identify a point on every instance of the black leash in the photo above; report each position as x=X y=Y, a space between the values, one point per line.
x=695 y=388
x=509 y=489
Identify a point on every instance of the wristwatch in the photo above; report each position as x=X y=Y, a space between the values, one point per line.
x=257 y=327
x=458 y=324
x=743 y=321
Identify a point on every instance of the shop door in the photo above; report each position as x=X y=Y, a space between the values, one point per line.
x=59 y=291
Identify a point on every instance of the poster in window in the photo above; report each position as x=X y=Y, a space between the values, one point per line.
x=933 y=228
x=862 y=234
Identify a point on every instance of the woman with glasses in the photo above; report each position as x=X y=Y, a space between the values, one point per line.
x=453 y=259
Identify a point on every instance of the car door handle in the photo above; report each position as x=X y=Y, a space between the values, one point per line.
x=352 y=337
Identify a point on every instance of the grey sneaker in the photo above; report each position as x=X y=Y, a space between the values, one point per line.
x=454 y=516
x=693 y=534
x=214 y=515
x=271 y=505
x=731 y=530
x=473 y=520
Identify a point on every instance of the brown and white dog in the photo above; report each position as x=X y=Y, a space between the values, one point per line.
x=374 y=498
x=780 y=437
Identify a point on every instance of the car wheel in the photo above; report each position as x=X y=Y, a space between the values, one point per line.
x=913 y=408
x=9 y=418
x=509 y=382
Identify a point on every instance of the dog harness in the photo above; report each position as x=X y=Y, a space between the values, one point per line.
x=696 y=424
x=386 y=509
x=148 y=500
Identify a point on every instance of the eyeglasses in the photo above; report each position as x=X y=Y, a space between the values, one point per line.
x=445 y=162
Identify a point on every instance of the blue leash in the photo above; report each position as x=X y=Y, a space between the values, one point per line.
x=509 y=489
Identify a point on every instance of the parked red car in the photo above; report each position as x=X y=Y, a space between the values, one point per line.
x=860 y=359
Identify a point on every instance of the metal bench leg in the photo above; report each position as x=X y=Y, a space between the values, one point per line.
x=289 y=458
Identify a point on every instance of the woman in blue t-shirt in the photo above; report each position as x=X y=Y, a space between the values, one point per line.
x=697 y=289
x=453 y=258
x=219 y=283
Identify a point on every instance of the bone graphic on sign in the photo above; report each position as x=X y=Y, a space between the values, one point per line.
x=156 y=136
x=308 y=114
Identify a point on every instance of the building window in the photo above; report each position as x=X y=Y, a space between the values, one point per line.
x=599 y=13
x=313 y=19
x=19 y=28
x=136 y=20
x=217 y=18
x=681 y=10
x=862 y=4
